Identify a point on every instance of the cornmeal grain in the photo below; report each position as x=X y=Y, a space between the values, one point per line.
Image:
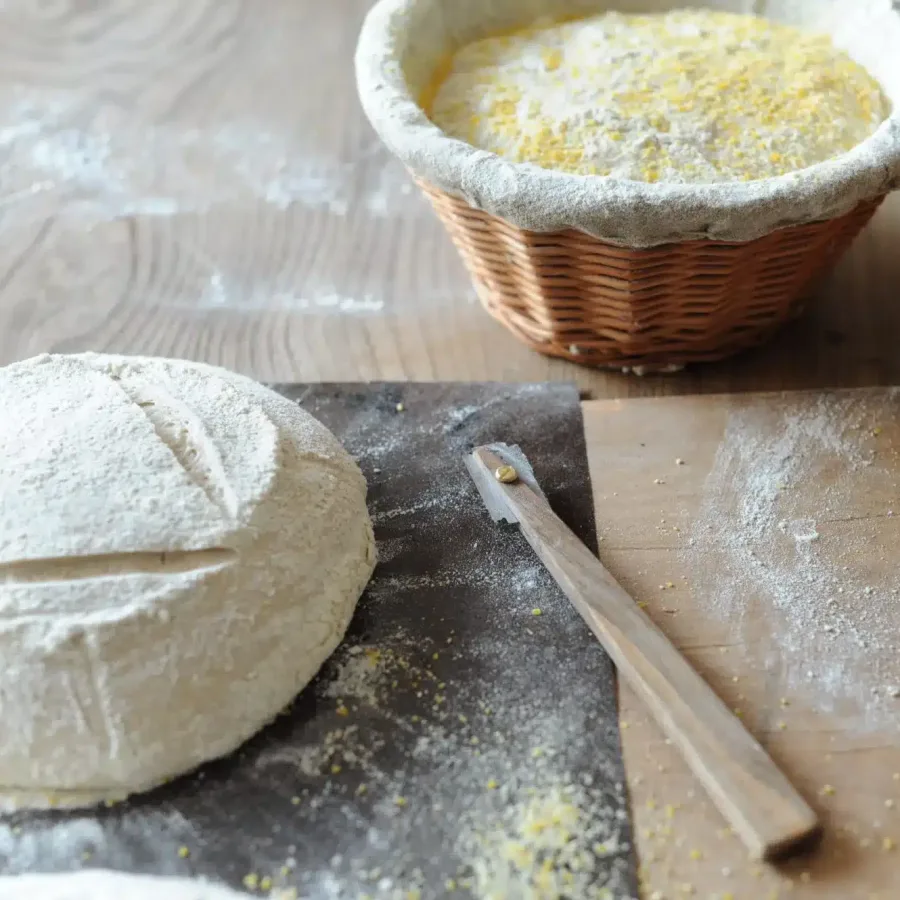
x=686 y=96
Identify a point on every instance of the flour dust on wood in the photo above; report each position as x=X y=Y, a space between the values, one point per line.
x=87 y=166
x=798 y=532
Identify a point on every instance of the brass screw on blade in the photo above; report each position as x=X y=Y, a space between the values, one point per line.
x=506 y=475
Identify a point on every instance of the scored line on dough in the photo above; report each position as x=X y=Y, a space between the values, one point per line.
x=106 y=565
x=188 y=441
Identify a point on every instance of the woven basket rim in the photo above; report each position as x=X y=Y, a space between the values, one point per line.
x=600 y=305
x=656 y=213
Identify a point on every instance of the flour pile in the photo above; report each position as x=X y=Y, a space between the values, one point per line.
x=404 y=42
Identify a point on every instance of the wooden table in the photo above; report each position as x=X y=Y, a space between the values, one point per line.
x=194 y=178
x=759 y=532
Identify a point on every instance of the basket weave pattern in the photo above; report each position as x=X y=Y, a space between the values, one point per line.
x=571 y=295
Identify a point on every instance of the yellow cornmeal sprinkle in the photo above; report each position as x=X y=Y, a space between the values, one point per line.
x=686 y=96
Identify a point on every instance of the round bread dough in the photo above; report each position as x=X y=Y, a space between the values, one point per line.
x=102 y=884
x=180 y=551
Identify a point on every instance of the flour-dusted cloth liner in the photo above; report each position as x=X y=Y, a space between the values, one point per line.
x=403 y=41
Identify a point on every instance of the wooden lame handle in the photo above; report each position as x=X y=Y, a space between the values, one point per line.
x=768 y=814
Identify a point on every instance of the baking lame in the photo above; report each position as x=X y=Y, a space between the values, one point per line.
x=760 y=804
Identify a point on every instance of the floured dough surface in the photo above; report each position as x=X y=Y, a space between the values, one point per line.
x=403 y=41
x=100 y=884
x=689 y=96
x=180 y=550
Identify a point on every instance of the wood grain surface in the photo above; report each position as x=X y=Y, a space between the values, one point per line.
x=195 y=178
x=768 y=557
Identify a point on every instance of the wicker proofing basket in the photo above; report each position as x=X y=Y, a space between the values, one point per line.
x=565 y=293
x=612 y=272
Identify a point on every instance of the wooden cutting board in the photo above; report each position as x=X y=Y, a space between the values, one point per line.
x=762 y=533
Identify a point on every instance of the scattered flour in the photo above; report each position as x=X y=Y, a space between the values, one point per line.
x=159 y=832
x=682 y=96
x=125 y=166
x=87 y=166
x=801 y=530
x=544 y=844
x=222 y=292
x=392 y=183
x=790 y=546
x=447 y=735
x=275 y=172
x=534 y=832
